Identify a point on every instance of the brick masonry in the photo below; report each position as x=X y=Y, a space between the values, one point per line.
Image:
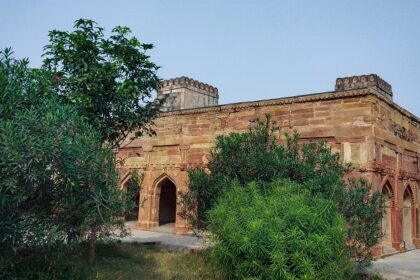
x=359 y=120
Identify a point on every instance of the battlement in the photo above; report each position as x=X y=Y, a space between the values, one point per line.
x=188 y=82
x=186 y=93
x=364 y=81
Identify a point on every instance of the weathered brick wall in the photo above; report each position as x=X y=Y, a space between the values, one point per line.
x=378 y=137
x=397 y=167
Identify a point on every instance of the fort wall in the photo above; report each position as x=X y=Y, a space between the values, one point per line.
x=360 y=122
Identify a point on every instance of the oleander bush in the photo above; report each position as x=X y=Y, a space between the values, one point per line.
x=59 y=125
x=278 y=230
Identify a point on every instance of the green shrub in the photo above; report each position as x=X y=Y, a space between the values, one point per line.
x=203 y=193
x=256 y=155
x=363 y=211
x=278 y=231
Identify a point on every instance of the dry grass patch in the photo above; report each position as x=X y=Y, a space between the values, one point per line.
x=137 y=261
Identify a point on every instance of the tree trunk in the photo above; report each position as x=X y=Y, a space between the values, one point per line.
x=92 y=245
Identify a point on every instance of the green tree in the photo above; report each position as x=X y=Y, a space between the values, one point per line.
x=109 y=80
x=57 y=177
x=20 y=86
x=256 y=156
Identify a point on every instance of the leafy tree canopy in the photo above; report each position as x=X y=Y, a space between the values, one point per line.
x=109 y=80
x=21 y=88
x=57 y=175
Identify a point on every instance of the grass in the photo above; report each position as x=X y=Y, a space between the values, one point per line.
x=124 y=261
x=136 y=261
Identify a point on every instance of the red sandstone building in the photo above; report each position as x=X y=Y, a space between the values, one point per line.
x=359 y=120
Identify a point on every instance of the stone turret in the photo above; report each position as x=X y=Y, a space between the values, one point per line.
x=185 y=93
x=364 y=81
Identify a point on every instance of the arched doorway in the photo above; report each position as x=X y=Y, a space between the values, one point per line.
x=407 y=221
x=132 y=189
x=167 y=202
x=386 y=219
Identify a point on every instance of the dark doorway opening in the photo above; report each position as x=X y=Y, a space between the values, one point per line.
x=167 y=202
x=133 y=196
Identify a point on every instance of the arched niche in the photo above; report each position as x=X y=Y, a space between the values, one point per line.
x=407 y=216
x=386 y=225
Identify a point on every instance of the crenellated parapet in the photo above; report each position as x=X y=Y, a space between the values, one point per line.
x=364 y=81
x=188 y=82
x=185 y=93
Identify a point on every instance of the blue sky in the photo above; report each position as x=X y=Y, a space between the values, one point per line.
x=250 y=50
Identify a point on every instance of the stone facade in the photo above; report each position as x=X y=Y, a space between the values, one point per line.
x=359 y=120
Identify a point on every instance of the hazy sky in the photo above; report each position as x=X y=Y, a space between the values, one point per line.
x=250 y=50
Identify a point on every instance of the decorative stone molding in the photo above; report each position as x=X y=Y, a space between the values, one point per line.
x=363 y=81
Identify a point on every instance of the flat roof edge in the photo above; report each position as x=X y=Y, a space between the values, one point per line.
x=295 y=99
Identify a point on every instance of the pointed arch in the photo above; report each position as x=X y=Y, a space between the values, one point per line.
x=409 y=193
x=388 y=190
x=411 y=186
x=132 y=194
x=159 y=180
x=413 y=189
x=165 y=199
x=386 y=223
x=124 y=179
x=408 y=216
